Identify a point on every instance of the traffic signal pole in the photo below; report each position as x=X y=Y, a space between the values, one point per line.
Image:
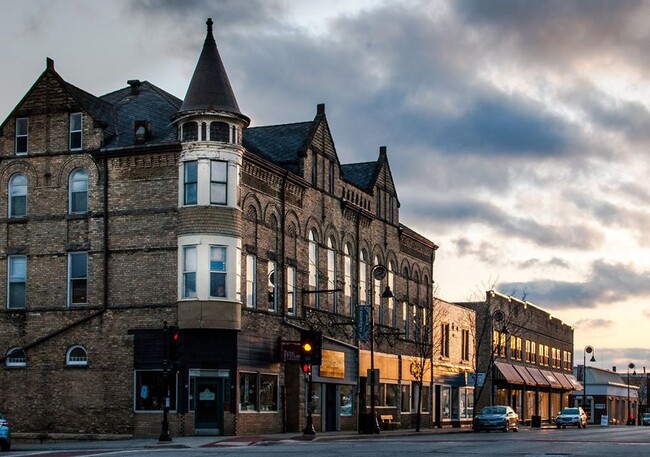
x=164 y=434
x=309 y=428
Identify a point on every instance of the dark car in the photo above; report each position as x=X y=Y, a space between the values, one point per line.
x=571 y=416
x=496 y=418
x=645 y=419
x=5 y=434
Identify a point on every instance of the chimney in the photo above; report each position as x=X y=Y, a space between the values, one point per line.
x=135 y=86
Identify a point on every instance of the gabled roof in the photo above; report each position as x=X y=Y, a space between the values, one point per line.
x=279 y=143
x=210 y=88
x=142 y=101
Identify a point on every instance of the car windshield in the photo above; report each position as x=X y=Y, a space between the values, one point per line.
x=493 y=410
x=570 y=411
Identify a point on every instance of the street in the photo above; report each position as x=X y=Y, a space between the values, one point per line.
x=594 y=441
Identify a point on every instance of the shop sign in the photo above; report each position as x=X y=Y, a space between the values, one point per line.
x=332 y=364
x=363 y=322
x=599 y=406
x=291 y=352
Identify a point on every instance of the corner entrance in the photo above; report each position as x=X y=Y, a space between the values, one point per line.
x=208 y=402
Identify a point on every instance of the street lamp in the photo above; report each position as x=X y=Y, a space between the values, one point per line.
x=630 y=366
x=588 y=350
x=378 y=272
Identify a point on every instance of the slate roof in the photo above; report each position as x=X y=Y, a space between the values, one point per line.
x=99 y=109
x=279 y=143
x=150 y=103
x=210 y=88
x=361 y=174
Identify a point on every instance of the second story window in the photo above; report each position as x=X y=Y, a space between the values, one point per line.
x=18 y=196
x=218 y=271
x=272 y=286
x=219 y=131
x=291 y=290
x=16 y=294
x=76 y=130
x=464 y=353
x=77 y=278
x=78 y=188
x=190 y=182
x=251 y=283
x=444 y=339
x=218 y=182
x=313 y=266
x=189 y=272
x=331 y=272
x=22 y=135
x=347 y=271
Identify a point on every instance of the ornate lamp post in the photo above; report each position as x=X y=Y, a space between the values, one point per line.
x=378 y=272
x=630 y=421
x=588 y=350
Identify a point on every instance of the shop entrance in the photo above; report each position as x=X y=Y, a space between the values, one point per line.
x=208 y=406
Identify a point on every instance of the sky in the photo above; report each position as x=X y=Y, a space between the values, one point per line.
x=517 y=132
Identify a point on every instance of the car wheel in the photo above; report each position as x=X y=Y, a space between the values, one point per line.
x=506 y=426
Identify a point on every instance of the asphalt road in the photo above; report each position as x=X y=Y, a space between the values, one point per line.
x=594 y=441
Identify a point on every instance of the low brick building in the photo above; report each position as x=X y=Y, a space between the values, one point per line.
x=135 y=209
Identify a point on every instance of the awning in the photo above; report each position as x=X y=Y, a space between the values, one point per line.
x=540 y=379
x=509 y=373
x=525 y=375
x=555 y=384
x=574 y=382
x=566 y=384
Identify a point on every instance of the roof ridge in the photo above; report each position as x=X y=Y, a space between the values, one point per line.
x=279 y=125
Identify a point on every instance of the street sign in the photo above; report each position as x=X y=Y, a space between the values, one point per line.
x=363 y=322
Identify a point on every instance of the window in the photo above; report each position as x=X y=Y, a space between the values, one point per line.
x=17 y=297
x=466 y=402
x=378 y=203
x=533 y=352
x=218 y=271
x=391 y=217
x=465 y=345
x=313 y=266
x=331 y=178
x=258 y=392
x=77 y=278
x=251 y=280
x=78 y=192
x=190 y=183
x=347 y=272
x=76 y=356
x=18 y=196
x=444 y=339
x=405 y=318
x=271 y=285
x=291 y=291
x=189 y=272
x=346 y=396
x=190 y=132
x=386 y=394
x=425 y=401
x=331 y=273
x=314 y=170
x=76 y=129
x=218 y=182
x=219 y=131
x=445 y=401
x=151 y=390
x=22 y=135
x=15 y=357
x=528 y=355
x=406 y=398
x=392 y=311
x=363 y=278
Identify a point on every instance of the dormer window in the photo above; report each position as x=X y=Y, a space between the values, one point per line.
x=141 y=132
x=219 y=131
x=76 y=129
x=22 y=135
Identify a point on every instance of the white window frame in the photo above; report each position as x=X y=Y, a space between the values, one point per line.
x=214 y=182
x=17 y=190
x=347 y=267
x=219 y=268
x=15 y=360
x=25 y=135
x=187 y=183
x=71 y=278
x=363 y=278
x=76 y=361
x=12 y=279
x=332 y=273
x=291 y=290
x=77 y=184
x=251 y=281
x=76 y=131
x=272 y=282
x=189 y=269
x=313 y=266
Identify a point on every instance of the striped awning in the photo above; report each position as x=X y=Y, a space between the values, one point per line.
x=525 y=375
x=540 y=379
x=552 y=380
x=566 y=384
x=509 y=373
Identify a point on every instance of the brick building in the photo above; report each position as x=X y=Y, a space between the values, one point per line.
x=135 y=208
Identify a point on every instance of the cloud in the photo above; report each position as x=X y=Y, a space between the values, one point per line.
x=594 y=323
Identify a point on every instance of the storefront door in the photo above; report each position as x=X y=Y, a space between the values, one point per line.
x=331 y=410
x=208 y=406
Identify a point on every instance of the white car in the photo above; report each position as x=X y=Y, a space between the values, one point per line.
x=571 y=416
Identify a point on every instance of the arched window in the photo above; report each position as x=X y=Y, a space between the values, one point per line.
x=313 y=266
x=392 y=310
x=15 y=357
x=76 y=356
x=78 y=192
x=190 y=132
x=347 y=266
x=363 y=278
x=377 y=289
x=18 y=196
x=219 y=131
x=331 y=272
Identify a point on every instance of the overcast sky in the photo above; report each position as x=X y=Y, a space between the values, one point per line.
x=517 y=132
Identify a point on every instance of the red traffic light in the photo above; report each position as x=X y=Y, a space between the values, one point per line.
x=305 y=367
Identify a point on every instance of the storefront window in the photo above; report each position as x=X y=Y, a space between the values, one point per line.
x=316 y=398
x=386 y=394
x=151 y=390
x=426 y=398
x=258 y=392
x=248 y=391
x=345 y=400
x=466 y=402
x=406 y=398
x=268 y=392
x=445 y=402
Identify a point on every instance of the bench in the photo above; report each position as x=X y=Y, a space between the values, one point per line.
x=387 y=422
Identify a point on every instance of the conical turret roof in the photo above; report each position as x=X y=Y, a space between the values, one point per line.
x=210 y=88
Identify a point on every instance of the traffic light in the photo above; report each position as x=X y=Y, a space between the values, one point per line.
x=310 y=347
x=306 y=368
x=175 y=345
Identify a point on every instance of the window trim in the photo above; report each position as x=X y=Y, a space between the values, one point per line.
x=23 y=135
x=216 y=271
x=10 y=269
x=187 y=183
x=12 y=186
x=185 y=272
x=213 y=181
x=72 y=132
x=71 y=192
x=70 y=278
x=292 y=291
x=76 y=363
x=251 y=281
x=11 y=362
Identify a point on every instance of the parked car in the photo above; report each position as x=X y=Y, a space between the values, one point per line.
x=645 y=419
x=571 y=416
x=496 y=418
x=5 y=434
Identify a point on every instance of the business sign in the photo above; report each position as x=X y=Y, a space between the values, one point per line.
x=291 y=352
x=477 y=379
x=363 y=322
x=333 y=364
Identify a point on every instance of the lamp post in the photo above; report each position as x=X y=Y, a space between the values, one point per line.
x=588 y=350
x=630 y=366
x=498 y=316
x=377 y=273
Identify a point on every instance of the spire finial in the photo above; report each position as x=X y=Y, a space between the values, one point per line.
x=209 y=22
